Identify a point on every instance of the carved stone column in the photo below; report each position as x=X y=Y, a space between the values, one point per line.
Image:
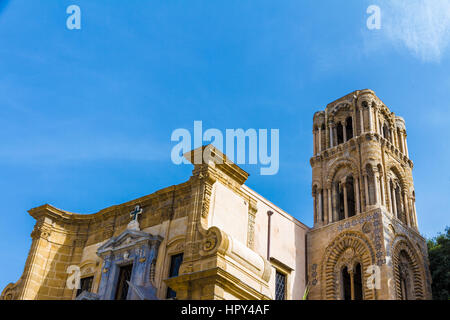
x=369 y=109
x=330 y=207
x=320 y=139
x=320 y=207
x=345 y=200
x=394 y=202
x=405 y=201
x=331 y=134
x=334 y=202
x=358 y=204
x=352 y=285
x=391 y=198
x=314 y=194
x=377 y=127
x=361 y=118
x=344 y=131
x=366 y=188
x=376 y=186
x=415 y=213
x=383 y=195
x=406 y=144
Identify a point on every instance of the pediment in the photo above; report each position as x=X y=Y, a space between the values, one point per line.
x=128 y=239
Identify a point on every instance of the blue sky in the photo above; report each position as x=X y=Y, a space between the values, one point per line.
x=86 y=115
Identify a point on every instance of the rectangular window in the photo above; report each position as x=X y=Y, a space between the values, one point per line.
x=85 y=285
x=280 y=286
x=175 y=263
x=122 y=284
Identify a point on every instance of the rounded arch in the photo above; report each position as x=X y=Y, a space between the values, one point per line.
x=402 y=248
x=338 y=164
x=365 y=98
x=347 y=249
x=399 y=174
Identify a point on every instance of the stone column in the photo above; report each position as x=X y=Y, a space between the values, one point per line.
x=320 y=139
x=405 y=200
x=375 y=180
x=369 y=109
x=315 y=207
x=330 y=208
x=352 y=286
x=394 y=201
x=400 y=141
x=320 y=215
x=366 y=188
x=415 y=213
x=315 y=142
x=358 y=207
x=354 y=124
x=333 y=199
x=383 y=200
x=377 y=127
x=391 y=202
x=345 y=200
x=405 y=144
x=395 y=138
x=345 y=131
x=361 y=118
x=331 y=136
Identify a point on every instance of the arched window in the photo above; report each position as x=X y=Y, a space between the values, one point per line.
x=352 y=283
x=346 y=284
x=349 y=128
x=314 y=193
x=340 y=133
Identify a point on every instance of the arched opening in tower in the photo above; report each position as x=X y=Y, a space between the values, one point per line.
x=340 y=133
x=349 y=128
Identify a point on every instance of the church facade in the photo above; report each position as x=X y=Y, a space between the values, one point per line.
x=212 y=237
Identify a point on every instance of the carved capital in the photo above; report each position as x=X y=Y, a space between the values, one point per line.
x=41 y=233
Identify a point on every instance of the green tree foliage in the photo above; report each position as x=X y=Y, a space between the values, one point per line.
x=439 y=256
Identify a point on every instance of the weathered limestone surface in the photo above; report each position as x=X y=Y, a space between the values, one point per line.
x=364 y=205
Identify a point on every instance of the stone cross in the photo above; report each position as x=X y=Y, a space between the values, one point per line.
x=135 y=213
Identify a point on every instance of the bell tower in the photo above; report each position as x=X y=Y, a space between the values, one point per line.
x=365 y=242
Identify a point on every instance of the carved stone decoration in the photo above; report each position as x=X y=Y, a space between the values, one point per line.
x=346 y=248
x=252 y=209
x=214 y=241
x=41 y=232
x=132 y=246
x=367 y=227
